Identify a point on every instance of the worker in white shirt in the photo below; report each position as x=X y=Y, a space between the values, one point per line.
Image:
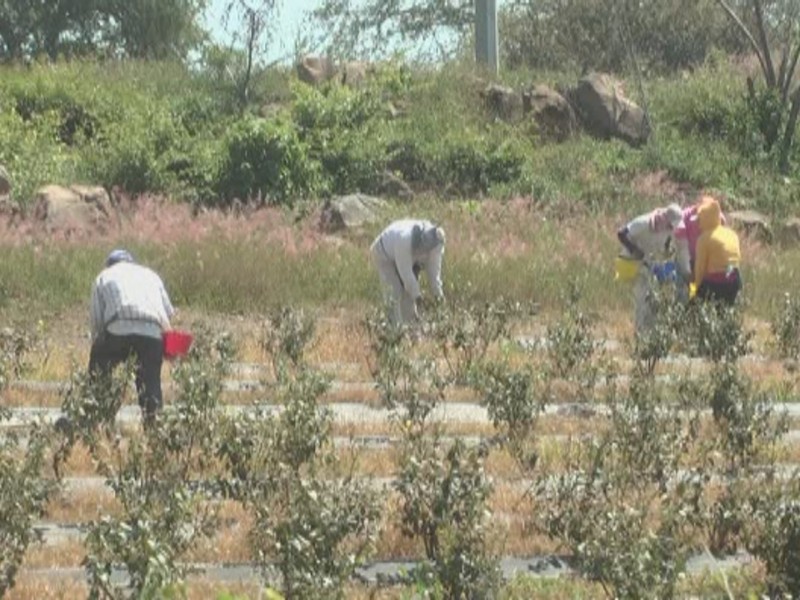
x=647 y=238
x=130 y=309
x=402 y=250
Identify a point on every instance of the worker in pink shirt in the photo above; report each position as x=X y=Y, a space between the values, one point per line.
x=685 y=235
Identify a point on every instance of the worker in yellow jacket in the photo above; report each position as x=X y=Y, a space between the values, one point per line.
x=716 y=268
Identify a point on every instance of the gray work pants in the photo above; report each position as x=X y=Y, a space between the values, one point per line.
x=402 y=307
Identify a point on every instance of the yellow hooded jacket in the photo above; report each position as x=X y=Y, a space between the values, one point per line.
x=718 y=245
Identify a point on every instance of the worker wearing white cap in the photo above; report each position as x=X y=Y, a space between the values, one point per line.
x=403 y=250
x=647 y=238
x=130 y=309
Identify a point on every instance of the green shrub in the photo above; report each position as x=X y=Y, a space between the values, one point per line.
x=32 y=155
x=24 y=495
x=267 y=160
x=163 y=509
x=342 y=129
x=470 y=163
x=464 y=334
x=621 y=507
x=773 y=534
x=444 y=495
x=786 y=328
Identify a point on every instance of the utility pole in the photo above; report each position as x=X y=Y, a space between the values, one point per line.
x=486 y=34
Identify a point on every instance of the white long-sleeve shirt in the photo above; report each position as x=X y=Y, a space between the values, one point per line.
x=652 y=243
x=396 y=242
x=129 y=299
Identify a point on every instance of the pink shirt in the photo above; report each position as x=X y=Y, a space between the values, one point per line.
x=689 y=228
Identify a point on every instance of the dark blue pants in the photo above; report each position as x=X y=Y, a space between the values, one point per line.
x=110 y=350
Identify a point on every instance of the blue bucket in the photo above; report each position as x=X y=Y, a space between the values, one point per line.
x=665 y=271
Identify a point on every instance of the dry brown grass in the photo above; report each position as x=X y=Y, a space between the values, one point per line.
x=81 y=506
x=19 y=397
x=341 y=346
x=36 y=587
x=65 y=553
x=39 y=587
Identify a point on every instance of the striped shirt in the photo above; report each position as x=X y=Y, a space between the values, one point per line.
x=129 y=299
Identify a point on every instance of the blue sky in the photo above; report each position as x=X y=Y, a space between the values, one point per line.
x=290 y=18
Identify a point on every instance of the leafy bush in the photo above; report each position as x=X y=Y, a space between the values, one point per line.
x=342 y=129
x=749 y=425
x=444 y=494
x=471 y=163
x=444 y=489
x=410 y=386
x=314 y=529
x=655 y=343
x=622 y=507
x=570 y=342
x=786 y=328
x=89 y=407
x=32 y=156
x=514 y=403
x=586 y=35
x=266 y=160
x=319 y=533
x=716 y=332
x=24 y=494
x=132 y=152
x=15 y=345
x=773 y=534
x=164 y=511
x=23 y=491
x=286 y=337
x=464 y=334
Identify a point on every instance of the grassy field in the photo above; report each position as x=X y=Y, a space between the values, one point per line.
x=474 y=441
x=495 y=249
x=515 y=249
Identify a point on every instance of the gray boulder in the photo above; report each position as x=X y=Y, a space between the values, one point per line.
x=315 y=70
x=789 y=232
x=750 y=222
x=395 y=186
x=605 y=111
x=77 y=208
x=349 y=212
x=502 y=102
x=552 y=112
x=354 y=73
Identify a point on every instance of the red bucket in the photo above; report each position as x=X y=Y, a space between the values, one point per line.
x=176 y=343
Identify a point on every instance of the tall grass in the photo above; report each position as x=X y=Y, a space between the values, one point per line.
x=220 y=263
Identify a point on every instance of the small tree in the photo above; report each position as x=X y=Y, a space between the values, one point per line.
x=165 y=509
x=23 y=490
x=785 y=14
x=255 y=23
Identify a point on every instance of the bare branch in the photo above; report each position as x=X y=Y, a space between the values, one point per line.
x=782 y=68
x=746 y=32
x=788 y=135
x=790 y=74
x=762 y=34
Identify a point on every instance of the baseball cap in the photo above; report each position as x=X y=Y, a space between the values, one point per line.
x=118 y=255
